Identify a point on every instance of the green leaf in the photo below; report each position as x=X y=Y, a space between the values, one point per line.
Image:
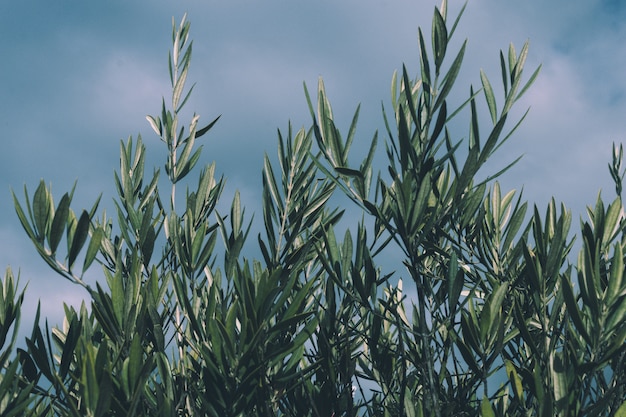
x=409 y=405
x=182 y=103
x=496 y=299
x=450 y=78
x=38 y=353
x=616 y=276
x=225 y=334
x=103 y=407
x=116 y=299
x=349 y=172
x=93 y=248
x=125 y=169
x=512 y=60
x=455 y=282
x=621 y=411
x=180 y=82
x=486 y=410
x=559 y=379
x=208 y=127
x=439 y=39
x=270 y=181
x=489 y=96
x=530 y=82
x=456 y=21
x=469 y=327
x=41 y=210
x=514 y=224
x=617 y=315
x=474 y=134
x=79 y=238
x=236 y=214
x=516 y=381
x=504 y=72
x=487 y=322
x=492 y=140
x=317 y=204
x=147 y=245
x=155 y=123
x=206 y=184
x=135 y=363
x=22 y=216
x=59 y=222
x=440 y=122
x=71 y=340
x=188 y=166
x=351 y=132
x=424 y=65
x=611 y=220
x=89 y=382
x=572 y=308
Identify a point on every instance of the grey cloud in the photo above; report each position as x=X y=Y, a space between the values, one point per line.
x=78 y=79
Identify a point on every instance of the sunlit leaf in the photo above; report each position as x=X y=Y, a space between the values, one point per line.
x=516 y=381
x=486 y=410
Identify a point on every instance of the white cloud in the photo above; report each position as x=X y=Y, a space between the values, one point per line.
x=577 y=102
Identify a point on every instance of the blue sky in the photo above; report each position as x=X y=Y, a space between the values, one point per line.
x=77 y=77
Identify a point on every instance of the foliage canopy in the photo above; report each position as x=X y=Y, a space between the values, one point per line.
x=484 y=316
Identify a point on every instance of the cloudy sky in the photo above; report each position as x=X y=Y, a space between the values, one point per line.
x=77 y=77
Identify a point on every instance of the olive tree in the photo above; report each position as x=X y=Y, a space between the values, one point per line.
x=484 y=314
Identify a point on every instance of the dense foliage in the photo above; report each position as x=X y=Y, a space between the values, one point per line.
x=483 y=315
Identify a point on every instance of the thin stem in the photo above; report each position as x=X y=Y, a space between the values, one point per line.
x=285 y=214
x=432 y=400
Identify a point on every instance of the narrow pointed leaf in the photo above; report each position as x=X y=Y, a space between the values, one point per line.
x=79 y=238
x=41 y=210
x=93 y=248
x=489 y=96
